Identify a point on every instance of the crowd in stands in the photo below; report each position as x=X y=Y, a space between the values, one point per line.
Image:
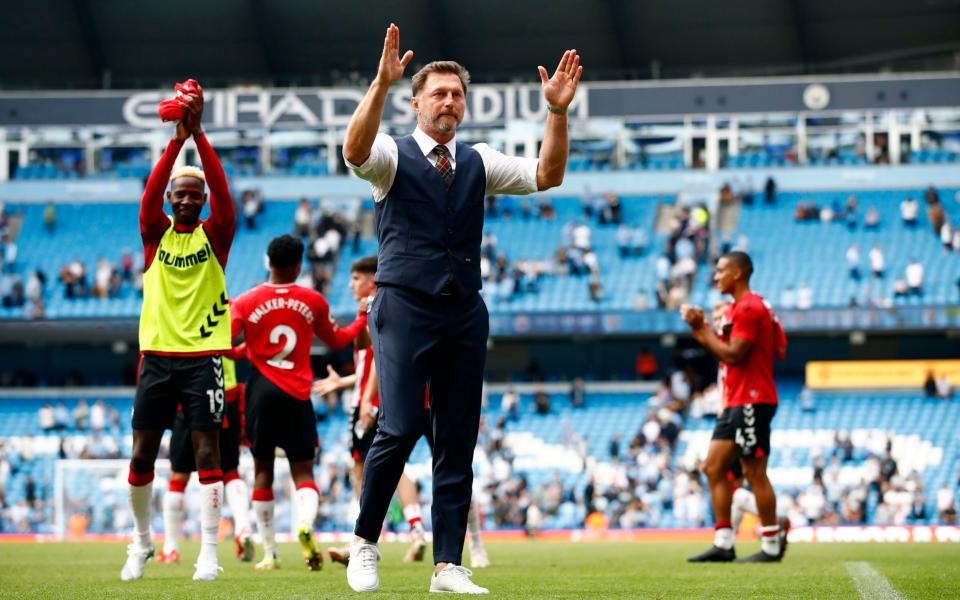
x=908 y=283
x=505 y=278
x=687 y=248
x=325 y=232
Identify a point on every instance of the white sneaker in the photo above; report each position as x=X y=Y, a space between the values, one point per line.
x=362 y=572
x=206 y=571
x=454 y=579
x=137 y=556
x=479 y=558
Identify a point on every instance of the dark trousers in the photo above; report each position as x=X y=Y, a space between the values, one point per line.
x=419 y=339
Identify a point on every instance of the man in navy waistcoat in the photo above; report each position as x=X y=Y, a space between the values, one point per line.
x=428 y=323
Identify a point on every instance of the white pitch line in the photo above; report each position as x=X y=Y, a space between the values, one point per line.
x=870 y=584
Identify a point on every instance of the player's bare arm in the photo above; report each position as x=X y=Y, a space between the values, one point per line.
x=367 y=416
x=558 y=91
x=365 y=121
x=731 y=353
x=333 y=382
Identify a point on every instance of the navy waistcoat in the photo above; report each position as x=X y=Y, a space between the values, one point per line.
x=430 y=234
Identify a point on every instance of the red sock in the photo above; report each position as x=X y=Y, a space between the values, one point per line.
x=723 y=525
x=309 y=484
x=177 y=485
x=230 y=476
x=211 y=476
x=262 y=495
x=139 y=479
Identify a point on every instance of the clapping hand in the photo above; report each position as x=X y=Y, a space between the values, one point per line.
x=560 y=89
x=391 y=65
x=192 y=114
x=693 y=315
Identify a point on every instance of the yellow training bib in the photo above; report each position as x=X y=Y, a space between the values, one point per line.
x=185 y=306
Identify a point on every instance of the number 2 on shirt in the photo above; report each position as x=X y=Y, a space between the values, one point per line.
x=279 y=360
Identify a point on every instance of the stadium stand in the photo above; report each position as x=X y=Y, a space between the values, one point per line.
x=558 y=459
x=529 y=239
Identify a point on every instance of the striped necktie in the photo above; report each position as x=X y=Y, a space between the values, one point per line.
x=443 y=163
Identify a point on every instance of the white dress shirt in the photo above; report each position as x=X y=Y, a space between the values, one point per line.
x=505 y=174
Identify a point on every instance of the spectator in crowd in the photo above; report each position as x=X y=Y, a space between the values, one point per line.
x=641 y=240
x=50 y=217
x=826 y=214
x=103 y=279
x=877 y=261
x=46 y=419
x=936 y=216
x=804 y=297
x=946 y=505
x=303 y=219
x=946 y=237
x=909 y=211
x=9 y=253
x=490 y=204
x=541 y=401
x=871 y=220
x=81 y=415
x=578 y=393
x=788 y=298
x=770 y=191
x=930 y=386
x=12 y=293
x=595 y=287
x=914 y=277
x=646 y=365
x=252 y=205
x=944 y=389
x=851 y=212
x=74 y=277
x=127 y=265
x=853 y=261
x=61 y=418
x=98 y=416
x=624 y=240
x=509 y=403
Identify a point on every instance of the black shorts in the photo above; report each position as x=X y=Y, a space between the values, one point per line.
x=748 y=426
x=359 y=446
x=276 y=419
x=181 y=443
x=735 y=471
x=193 y=382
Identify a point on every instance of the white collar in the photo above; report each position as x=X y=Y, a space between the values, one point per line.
x=427 y=143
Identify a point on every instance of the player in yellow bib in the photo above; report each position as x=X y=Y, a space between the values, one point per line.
x=182 y=464
x=184 y=328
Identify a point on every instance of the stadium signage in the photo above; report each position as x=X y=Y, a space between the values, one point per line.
x=851 y=374
x=495 y=103
x=486 y=105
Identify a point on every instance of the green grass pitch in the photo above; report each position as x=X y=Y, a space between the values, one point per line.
x=520 y=570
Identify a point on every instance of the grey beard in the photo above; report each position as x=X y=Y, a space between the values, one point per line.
x=440 y=126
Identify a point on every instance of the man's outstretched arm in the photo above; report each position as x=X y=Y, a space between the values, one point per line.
x=363 y=126
x=558 y=91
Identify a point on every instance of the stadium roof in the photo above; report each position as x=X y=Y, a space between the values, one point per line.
x=57 y=44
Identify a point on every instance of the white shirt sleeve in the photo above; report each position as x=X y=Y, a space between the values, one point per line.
x=380 y=168
x=508 y=174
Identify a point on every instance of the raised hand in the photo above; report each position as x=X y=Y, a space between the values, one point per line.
x=560 y=89
x=330 y=383
x=391 y=64
x=193 y=112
